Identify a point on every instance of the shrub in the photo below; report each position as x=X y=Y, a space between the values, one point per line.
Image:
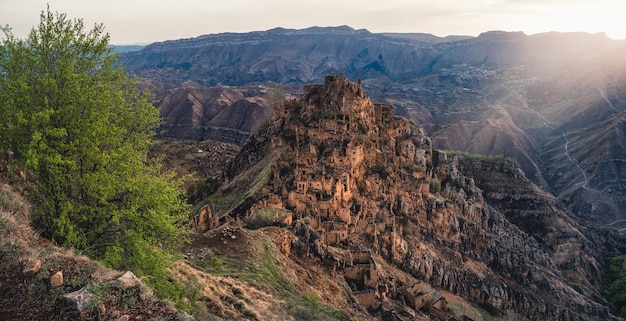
x=435 y=185
x=616 y=285
x=311 y=299
x=260 y=218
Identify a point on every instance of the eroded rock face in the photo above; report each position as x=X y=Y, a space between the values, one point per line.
x=498 y=93
x=355 y=177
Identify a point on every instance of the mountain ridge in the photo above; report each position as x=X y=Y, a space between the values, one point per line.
x=415 y=56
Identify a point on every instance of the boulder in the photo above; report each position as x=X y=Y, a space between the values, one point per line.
x=56 y=279
x=127 y=280
x=32 y=268
x=78 y=299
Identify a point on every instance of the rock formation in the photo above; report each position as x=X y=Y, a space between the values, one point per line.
x=367 y=189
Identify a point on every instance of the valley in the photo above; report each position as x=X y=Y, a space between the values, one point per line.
x=552 y=101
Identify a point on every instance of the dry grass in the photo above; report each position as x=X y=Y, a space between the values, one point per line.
x=231 y=298
x=249 y=277
x=13 y=212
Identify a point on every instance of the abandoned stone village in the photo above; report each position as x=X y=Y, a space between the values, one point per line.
x=363 y=191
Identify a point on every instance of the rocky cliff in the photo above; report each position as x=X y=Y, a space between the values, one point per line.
x=366 y=194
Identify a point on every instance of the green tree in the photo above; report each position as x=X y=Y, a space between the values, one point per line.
x=76 y=122
x=615 y=279
x=276 y=97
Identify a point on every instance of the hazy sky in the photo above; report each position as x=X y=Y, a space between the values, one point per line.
x=144 y=21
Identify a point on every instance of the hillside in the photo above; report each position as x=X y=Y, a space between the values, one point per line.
x=229 y=274
x=367 y=197
x=40 y=281
x=543 y=99
x=219 y=113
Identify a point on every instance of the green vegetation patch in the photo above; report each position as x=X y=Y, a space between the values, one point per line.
x=307 y=306
x=498 y=163
x=247 y=184
x=133 y=301
x=267 y=273
x=413 y=168
x=81 y=131
x=480 y=157
x=435 y=185
x=615 y=281
x=267 y=217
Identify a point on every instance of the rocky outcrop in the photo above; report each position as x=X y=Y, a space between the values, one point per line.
x=356 y=177
x=81 y=303
x=78 y=300
x=576 y=249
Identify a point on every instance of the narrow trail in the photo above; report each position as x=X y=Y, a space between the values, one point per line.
x=585 y=183
x=603 y=94
x=516 y=100
x=612 y=223
x=548 y=123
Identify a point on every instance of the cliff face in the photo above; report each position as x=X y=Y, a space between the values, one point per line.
x=365 y=192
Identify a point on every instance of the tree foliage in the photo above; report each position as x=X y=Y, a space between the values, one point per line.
x=77 y=124
x=616 y=285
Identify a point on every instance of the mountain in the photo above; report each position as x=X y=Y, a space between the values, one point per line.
x=411 y=230
x=553 y=101
x=126 y=48
x=280 y=55
x=220 y=113
x=302 y=56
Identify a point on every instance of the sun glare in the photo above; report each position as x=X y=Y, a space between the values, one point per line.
x=587 y=17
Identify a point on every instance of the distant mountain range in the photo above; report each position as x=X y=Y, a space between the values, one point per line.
x=555 y=101
x=126 y=48
x=302 y=56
